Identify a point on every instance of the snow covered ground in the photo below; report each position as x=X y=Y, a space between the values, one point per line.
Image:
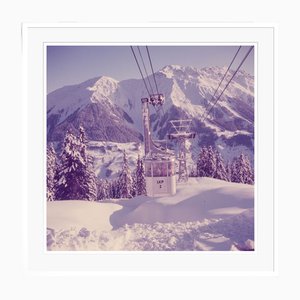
x=205 y=214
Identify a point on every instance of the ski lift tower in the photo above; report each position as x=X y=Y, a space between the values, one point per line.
x=159 y=161
x=181 y=135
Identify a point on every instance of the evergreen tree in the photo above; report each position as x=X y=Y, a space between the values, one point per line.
x=140 y=178
x=210 y=167
x=82 y=136
x=241 y=170
x=125 y=179
x=206 y=164
x=233 y=171
x=114 y=191
x=103 y=189
x=90 y=182
x=134 y=185
x=220 y=172
x=245 y=169
x=51 y=172
x=201 y=163
x=228 y=171
x=68 y=186
x=109 y=189
x=249 y=173
x=76 y=178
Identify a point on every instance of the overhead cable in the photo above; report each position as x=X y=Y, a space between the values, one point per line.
x=241 y=63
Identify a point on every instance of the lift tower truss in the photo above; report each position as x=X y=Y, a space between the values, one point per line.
x=181 y=134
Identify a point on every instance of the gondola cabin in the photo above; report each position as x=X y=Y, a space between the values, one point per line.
x=160 y=176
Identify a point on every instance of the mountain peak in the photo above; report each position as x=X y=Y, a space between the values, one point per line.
x=172 y=67
x=177 y=71
x=103 y=88
x=170 y=70
x=102 y=82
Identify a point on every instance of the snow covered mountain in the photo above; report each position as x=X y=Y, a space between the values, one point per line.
x=111 y=110
x=91 y=104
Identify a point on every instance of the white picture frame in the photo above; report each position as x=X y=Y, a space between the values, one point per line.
x=35 y=37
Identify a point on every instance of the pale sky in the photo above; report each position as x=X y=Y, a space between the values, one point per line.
x=67 y=65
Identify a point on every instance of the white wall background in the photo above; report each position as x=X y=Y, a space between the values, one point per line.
x=16 y=284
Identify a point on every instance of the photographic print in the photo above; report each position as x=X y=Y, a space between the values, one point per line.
x=150 y=147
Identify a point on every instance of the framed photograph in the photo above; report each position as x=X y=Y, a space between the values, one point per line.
x=150 y=149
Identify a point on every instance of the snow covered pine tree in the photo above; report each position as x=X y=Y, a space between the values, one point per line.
x=51 y=172
x=241 y=170
x=220 y=172
x=210 y=164
x=114 y=191
x=228 y=171
x=133 y=187
x=125 y=179
x=140 y=178
x=103 y=189
x=90 y=177
x=76 y=178
x=210 y=167
x=206 y=164
x=202 y=162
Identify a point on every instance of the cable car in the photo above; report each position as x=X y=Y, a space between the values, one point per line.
x=157 y=99
x=160 y=176
x=159 y=161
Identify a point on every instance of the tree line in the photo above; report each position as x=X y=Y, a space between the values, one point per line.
x=211 y=164
x=70 y=175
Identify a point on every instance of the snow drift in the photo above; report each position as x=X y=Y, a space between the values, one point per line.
x=200 y=198
x=205 y=214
